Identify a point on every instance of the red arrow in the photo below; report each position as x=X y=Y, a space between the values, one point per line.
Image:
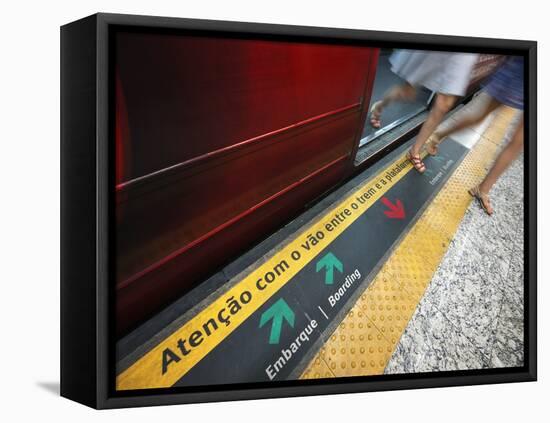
x=396 y=211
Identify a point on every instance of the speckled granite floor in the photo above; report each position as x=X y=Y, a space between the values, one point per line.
x=471 y=316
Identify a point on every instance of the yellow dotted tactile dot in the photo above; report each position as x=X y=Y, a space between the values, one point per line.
x=357 y=346
x=364 y=341
x=317 y=369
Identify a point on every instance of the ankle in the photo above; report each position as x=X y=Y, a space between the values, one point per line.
x=437 y=136
x=483 y=190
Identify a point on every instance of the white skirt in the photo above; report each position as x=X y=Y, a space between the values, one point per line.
x=442 y=72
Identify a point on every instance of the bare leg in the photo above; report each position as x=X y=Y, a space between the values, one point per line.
x=443 y=103
x=504 y=159
x=404 y=92
x=469 y=119
x=507 y=156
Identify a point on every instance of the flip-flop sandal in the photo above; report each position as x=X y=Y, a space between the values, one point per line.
x=417 y=162
x=482 y=199
x=432 y=146
x=375 y=116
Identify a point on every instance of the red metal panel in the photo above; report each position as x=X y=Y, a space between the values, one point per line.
x=153 y=289
x=219 y=141
x=197 y=199
x=187 y=96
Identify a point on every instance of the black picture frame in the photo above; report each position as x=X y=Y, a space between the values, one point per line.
x=87 y=216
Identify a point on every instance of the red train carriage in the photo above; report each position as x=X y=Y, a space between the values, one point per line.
x=220 y=141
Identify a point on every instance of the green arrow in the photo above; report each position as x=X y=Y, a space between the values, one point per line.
x=329 y=262
x=277 y=312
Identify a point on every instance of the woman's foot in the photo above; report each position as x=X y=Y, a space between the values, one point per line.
x=432 y=146
x=416 y=161
x=482 y=198
x=375 y=115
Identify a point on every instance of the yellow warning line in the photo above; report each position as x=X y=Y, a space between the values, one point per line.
x=173 y=357
x=364 y=341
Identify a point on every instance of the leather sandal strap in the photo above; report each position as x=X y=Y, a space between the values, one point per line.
x=483 y=199
x=417 y=162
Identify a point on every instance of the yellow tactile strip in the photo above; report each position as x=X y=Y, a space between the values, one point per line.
x=364 y=341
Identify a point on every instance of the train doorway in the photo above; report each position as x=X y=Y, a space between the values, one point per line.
x=395 y=113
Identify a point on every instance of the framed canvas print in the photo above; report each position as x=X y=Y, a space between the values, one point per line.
x=254 y=211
